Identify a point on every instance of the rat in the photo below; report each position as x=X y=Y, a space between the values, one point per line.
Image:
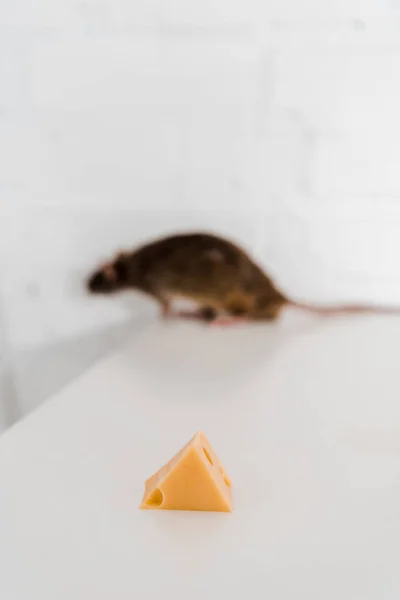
x=222 y=278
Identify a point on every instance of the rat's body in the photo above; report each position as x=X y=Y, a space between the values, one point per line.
x=218 y=275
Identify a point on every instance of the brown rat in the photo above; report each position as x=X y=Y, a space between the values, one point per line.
x=215 y=273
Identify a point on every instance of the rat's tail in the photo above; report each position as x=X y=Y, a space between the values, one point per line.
x=346 y=309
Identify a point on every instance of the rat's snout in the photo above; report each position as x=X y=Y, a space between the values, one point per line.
x=99 y=283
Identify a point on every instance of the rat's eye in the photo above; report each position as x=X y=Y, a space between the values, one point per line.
x=121 y=268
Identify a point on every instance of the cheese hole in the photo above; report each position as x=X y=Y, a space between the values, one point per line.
x=156 y=498
x=208 y=456
x=228 y=483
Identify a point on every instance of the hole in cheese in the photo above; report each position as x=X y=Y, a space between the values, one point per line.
x=228 y=483
x=156 y=498
x=208 y=456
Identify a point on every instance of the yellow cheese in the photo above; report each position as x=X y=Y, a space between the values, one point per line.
x=193 y=480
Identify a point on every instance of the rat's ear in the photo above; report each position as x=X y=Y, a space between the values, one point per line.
x=214 y=255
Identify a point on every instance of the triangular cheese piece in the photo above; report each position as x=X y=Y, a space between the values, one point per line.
x=193 y=480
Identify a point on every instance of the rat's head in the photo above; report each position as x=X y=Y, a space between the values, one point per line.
x=110 y=278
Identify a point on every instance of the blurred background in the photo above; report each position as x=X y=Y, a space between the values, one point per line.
x=273 y=122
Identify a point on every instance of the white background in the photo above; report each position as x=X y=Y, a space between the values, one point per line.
x=276 y=122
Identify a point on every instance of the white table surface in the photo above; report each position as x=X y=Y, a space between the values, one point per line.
x=305 y=417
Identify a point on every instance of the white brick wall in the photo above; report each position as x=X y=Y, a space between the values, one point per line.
x=273 y=121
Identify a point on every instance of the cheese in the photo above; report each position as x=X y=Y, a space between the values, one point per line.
x=194 y=479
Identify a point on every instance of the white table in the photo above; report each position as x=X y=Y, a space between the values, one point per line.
x=306 y=419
